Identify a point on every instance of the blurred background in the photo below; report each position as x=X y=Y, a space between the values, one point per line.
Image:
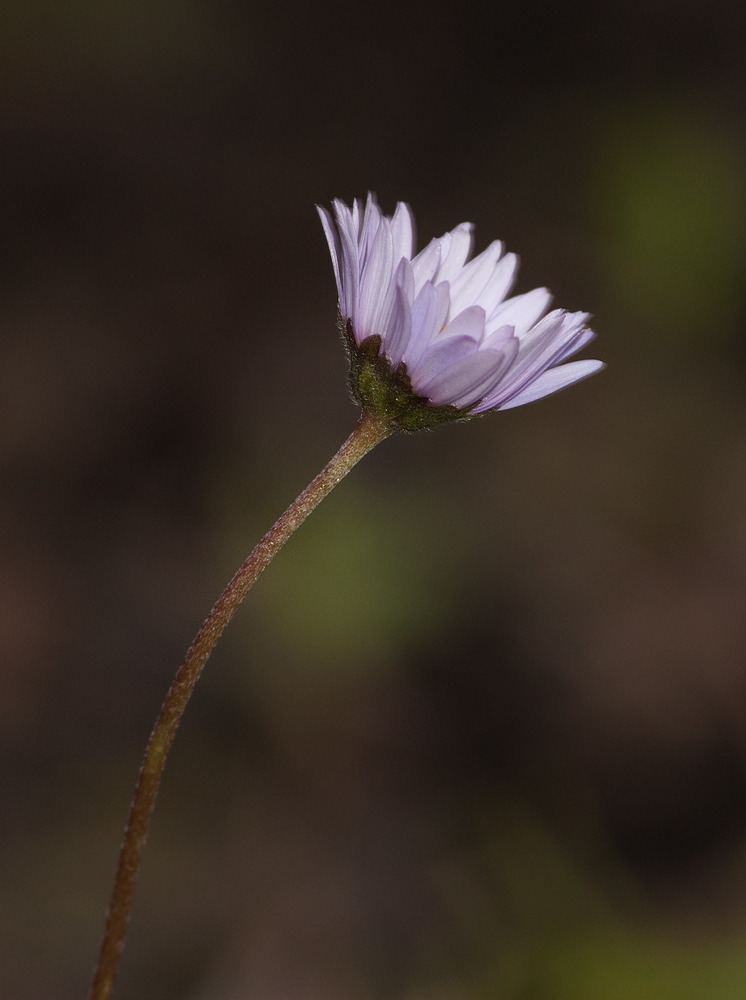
x=480 y=732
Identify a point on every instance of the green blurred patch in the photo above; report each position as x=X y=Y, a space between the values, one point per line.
x=671 y=197
x=567 y=937
x=361 y=579
x=623 y=965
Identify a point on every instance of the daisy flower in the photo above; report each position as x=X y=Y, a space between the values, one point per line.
x=432 y=337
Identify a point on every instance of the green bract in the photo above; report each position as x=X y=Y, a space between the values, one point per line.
x=388 y=393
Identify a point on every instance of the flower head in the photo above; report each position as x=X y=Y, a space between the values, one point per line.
x=432 y=337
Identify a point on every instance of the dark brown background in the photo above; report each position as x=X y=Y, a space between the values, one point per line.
x=481 y=731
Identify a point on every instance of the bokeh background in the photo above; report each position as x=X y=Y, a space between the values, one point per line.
x=481 y=731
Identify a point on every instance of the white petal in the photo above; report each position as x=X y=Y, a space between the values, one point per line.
x=455 y=249
x=554 y=379
x=522 y=311
x=402 y=232
x=429 y=313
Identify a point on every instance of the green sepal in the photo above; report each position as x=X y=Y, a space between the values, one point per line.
x=388 y=393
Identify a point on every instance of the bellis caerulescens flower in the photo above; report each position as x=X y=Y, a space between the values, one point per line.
x=432 y=337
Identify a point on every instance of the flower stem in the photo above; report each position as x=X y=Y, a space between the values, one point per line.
x=369 y=432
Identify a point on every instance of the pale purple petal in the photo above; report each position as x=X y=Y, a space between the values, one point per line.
x=554 y=379
x=496 y=340
x=526 y=367
x=369 y=231
x=509 y=349
x=332 y=239
x=539 y=341
x=494 y=353
x=397 y=333
x=455 y=248
x=376 y=278
x=439 y=357
x=425 y=264
x=467 y=380
x=399 y=323
x=499 y=284
x=345 y=219
x=468 y=323
x=350 y=266
x=402 y=232
x=470 y=282
x=522 y=311
x=356 y=217
x=404 y=277
x=569 y=339
x=429 y=313
x=540 y=349
x=583 y=339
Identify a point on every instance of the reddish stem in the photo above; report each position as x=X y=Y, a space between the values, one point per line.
x=368 y=433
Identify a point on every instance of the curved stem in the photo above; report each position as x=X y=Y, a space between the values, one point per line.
x=368 y=433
